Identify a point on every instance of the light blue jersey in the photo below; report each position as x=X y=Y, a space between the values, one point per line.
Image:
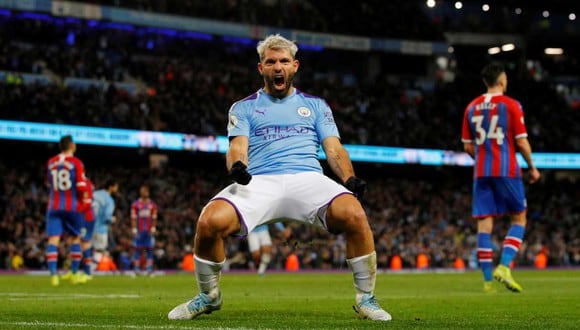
x=103 y=207
x=284 y=134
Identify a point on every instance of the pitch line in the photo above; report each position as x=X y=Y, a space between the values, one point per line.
x=26 y=295
x=36 y=324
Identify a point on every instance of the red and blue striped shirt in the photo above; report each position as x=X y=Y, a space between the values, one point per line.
x=493 y=122
x=144 y=211
x=67 y=183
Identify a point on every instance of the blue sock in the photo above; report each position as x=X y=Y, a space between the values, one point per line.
x=52 y=258
x=88 y=260
x=75 y=256
x=137 y=260
x=485 y=255
x=511 y=244
x=149 y=260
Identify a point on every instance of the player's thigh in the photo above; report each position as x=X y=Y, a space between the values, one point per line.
x=264 y=238
x=484 y=199
x=219 y=215
x=344 y=213
x=88 y=231
x=53 y=224
x=144 y=241
x=253 y=242
x=73 y=223
x=510 y=195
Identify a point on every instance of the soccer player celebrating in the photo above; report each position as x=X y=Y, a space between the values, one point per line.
x=67 y=183
x=144 y=227
x=493 y=132
x=275 y=135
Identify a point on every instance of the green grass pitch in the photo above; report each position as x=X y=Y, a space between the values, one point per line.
x=551 y=300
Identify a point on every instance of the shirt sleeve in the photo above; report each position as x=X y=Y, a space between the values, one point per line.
x=519 y=126
x=466 y=134
x=238 y=120
x=325 y=124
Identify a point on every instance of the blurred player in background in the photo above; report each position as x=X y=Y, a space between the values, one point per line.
x=104 y=212
x=275 y=135
x=144 y=227
x=67 y=184
x=86 y=235
x=260 y=245
x=493 y=132
x=86 y=239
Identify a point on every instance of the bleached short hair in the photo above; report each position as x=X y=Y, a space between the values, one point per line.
x=276 y=41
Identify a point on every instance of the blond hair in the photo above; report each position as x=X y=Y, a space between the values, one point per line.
x=276 y=41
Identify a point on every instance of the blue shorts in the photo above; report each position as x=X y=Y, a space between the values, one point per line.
x=59 y=222
x=87 y=232
x=144 y=240
x=493 y=196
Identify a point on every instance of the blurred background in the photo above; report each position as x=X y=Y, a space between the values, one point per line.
x=396 y=74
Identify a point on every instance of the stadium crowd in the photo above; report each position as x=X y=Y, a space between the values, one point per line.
x=409 y=215
x=187 y=85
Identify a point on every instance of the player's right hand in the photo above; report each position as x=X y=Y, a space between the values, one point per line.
x=239 y=173
x=534 y=175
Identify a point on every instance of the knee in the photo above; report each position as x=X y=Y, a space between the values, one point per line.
x=205 y=226
x=350 y=219
x=214 y=223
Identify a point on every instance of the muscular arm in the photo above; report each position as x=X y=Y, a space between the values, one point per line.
x=238 y=150
x=525 y=149
x=338 y=158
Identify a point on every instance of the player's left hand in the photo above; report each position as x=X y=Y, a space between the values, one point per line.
x=357 y=185
x=153 y=230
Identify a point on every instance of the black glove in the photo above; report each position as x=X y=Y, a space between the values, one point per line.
x=239 y=173
x=357 y=186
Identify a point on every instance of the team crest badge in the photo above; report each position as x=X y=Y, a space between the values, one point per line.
x=233 y=122
x=304 y=112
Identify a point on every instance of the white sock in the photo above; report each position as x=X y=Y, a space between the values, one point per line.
x=364 y=269
x=264 y=261
x=208 y=276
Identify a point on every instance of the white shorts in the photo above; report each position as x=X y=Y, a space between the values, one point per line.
x=258 y=239
x=301 y=197
x=100 y=241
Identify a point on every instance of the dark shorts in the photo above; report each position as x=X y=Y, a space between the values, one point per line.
x=59 y=222
x=144 y=240
x=87 y=232
x=494 y=196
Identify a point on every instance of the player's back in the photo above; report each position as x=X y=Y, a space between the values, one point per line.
x=65 y=176
x=493 y=122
